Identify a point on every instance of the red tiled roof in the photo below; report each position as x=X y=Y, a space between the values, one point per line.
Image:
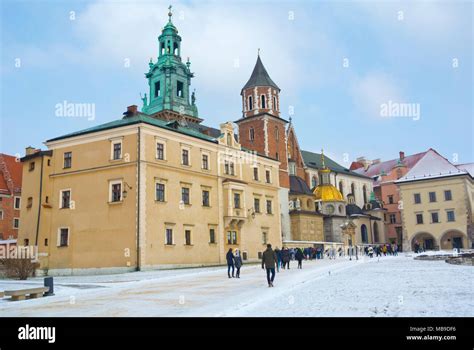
x=387 y=166
x=15 y=169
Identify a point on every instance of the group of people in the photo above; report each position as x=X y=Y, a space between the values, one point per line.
x=378 y=250
x=274 y=259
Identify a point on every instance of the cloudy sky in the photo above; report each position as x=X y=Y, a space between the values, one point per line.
x=335 y=62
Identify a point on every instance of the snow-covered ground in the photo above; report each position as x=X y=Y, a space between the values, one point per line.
x=389 y=286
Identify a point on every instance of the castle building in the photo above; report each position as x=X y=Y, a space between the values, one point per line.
x=384 y=175
x=156 y=188
x=437 y=198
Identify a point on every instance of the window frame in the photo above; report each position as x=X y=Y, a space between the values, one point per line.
x=15 y=198
x=69 y=159
x=61 y=198
x=16 y=223
x=157 y=199
x=59 y=237
x=111 y=184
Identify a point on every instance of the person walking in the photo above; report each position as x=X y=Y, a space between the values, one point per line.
x=285 y=257
x=269 y=260
x=299 y=257
x=238 y=262
x=278 y=254
x=370 y=251
x=230 y=262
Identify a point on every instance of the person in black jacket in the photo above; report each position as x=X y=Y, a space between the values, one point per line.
x=299 y=257
x=230 y=262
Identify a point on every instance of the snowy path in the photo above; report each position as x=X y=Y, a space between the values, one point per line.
x=393 y=286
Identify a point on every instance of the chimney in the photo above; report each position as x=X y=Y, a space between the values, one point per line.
x=29 y=150
x=131 y=111
x=402 y=155
x=376 y=161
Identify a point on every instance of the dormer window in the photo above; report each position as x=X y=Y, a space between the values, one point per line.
x=179 y=89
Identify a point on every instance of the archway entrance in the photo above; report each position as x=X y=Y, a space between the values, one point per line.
x=363 y=233
x=425 y=241
x=453 y=239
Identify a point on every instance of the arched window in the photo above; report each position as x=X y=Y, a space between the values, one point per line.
x=376 y=232
x=168 y=47
x=277 y=133
x=314 y=181
x=275 y=107
x=363 y=232
x=162 y=48
x=250 y=103
x=364 y=192
x=341 y=187
x=251 y=134
x=175 y=49
x=263 y=101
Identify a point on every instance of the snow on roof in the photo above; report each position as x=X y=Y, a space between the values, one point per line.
x=387 y=166
x=469 y=167
x=431 y=165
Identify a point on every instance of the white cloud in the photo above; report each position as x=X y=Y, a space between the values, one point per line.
x=374 y=89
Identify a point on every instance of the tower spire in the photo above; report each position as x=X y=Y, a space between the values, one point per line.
x=170 y=14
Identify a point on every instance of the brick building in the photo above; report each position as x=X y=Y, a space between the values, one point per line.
x=10 y=196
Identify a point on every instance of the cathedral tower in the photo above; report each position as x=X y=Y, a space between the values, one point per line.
x=261 y=128
x=169 y=80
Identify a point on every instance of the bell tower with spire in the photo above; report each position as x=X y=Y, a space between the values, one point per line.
x=169 y=80
x=261 y=128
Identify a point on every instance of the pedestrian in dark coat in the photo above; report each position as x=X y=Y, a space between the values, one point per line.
x=230 y=262
x=269 y=260
x=238 y=262
x=299 y=257
x=285 y=256
x=278 y=254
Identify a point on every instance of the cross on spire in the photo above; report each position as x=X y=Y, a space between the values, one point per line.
x=170 y=13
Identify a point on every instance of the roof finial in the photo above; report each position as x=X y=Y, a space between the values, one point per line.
x=322 y=159
x=258 y=52
x=170 y=13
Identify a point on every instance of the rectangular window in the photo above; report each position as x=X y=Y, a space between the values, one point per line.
x=255 y=174
x=160 y=192
x=117 y=150
x=447 y=195
x=185 y=157
x=65 y=199
x=212 y=235
x=237 y=200
x=434 y=218
x=450 y=214
x=31 y=166
x=187 y=237
x=390 y=199
x=231 y=167
x=419 y=219
x=169 y=237
x=256 y=205
x=432 y=196
x=226 y=167
x=185 y=195
x=157 y=89
x=251 y=134
x=116 y=192
x=160 y=151
x=267 y=176
x=16 y=223
x=231 y=237
x=29 y=202
x=17 y=203
x=67 y=160
x=63 y=237
x=393 y=218
x=179 y=89
x=417 y=198
x=205 y=162
x=269 y=207
x=264 y=237
x=205 y=198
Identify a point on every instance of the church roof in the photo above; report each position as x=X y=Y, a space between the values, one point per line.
x=313 y=160
x=299 y=186
x=327 y=193
x=260 y=77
